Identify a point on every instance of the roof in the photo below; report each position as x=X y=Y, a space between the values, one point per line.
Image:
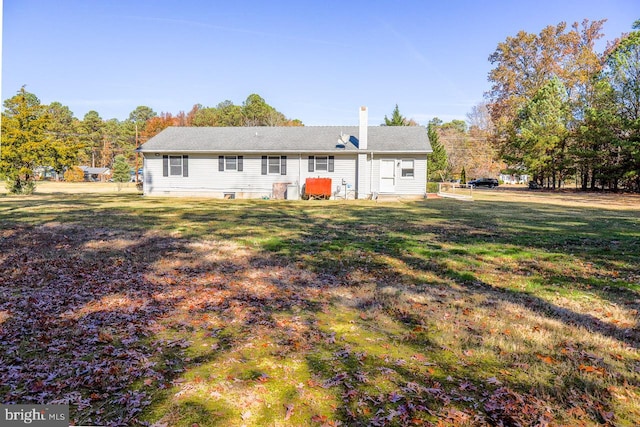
x=95 y=171
x=303 y=139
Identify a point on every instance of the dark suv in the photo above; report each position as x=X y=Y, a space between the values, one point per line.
x=484 y=182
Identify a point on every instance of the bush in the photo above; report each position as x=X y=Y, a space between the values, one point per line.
x=432 y=187
x=74 y=174
x=20 y=186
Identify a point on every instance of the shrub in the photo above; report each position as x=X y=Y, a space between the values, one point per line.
x=432 y=187
x=74 y=174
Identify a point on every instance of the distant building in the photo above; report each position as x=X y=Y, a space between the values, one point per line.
x=96 y=174
x=514 y=178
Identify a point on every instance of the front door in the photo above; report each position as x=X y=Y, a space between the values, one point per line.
x=387 y=176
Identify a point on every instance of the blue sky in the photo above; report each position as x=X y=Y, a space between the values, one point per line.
x=317 y=61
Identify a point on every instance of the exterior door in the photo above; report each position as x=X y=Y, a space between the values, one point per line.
x=387 y=176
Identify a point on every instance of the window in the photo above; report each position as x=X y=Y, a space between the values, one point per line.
x=321 y=163
x=274 y=165
x=175 y=165
x=407 y=168
x=230 y=163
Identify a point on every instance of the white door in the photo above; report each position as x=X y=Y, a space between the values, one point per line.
x=387 y=176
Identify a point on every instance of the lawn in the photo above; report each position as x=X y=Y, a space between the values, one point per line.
x=513 y=309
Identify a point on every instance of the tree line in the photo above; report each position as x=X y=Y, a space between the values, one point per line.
x=557 y=111
x=36 y=135
x=562 y=111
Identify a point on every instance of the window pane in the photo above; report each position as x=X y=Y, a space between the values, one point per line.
x=230 y=163
x=407 y=168
x=175 y=165
x=274 y=164
x=321 y=163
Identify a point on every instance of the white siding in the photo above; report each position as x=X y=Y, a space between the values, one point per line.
x=408 y=186
x=205 y=179
x=344 y=169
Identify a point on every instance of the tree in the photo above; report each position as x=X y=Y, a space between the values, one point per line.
x=523 y=64
x=257 y=112
x=543 y=131
x=74 y=174
x=121 y=170
x=26 y=143
x=438 y=161
x=623 y=72
x=229 y=114
x=141 y=115
x=91 y=129
x=479 y=118
x=157 y=124
x=66 y=145
x=396 y=119
x=596 y=137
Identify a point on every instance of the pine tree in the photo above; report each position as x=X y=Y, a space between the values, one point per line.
x=438 y=161
x=396 y=119
x=121 y=170
x=26 y=144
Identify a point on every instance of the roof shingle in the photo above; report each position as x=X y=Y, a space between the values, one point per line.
x=304 y=139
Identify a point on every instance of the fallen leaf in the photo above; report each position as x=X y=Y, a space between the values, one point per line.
x=289 y=411
x=591 y=368
x=494 y=381
x=319 y=419
x=547 y=359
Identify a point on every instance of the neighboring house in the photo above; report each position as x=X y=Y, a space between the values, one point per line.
x=96 y=174
x=514 y=179
x=258 y=162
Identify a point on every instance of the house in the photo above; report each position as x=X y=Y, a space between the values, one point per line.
x=514 y=178
x=96 y=174
x=259 y=162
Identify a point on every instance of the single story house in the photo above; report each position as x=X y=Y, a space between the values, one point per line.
x=258 y=162
x=94 y=174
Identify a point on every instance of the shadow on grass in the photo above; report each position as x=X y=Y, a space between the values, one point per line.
x=118 y=287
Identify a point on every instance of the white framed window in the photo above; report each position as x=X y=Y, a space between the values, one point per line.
x=321 y=163
x=175 y=165
x=407 y=168
x=230 y=163
x=274 y=165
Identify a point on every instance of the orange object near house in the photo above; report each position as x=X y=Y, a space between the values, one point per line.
x=317 y=188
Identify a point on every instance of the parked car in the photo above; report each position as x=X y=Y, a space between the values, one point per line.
x=483 y=182
x=534 y=185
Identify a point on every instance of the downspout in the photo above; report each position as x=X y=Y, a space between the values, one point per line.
x=426 y=167
x=300 y=175
x=371 y=176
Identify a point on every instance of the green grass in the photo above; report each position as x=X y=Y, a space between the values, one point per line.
x=501 y=310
